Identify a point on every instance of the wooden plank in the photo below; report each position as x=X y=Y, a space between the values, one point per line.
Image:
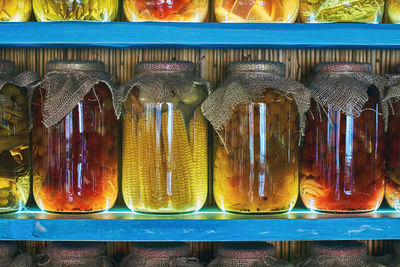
x=206 y=225
x=198 y=35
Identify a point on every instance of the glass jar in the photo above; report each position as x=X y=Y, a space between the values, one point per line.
x=159 y=255
x=75 y=139
x=164 y=155
x=256 y=11
x=173 y=10
x=367 y=11
x=235 y=254
x=15 y=10
x=74 y=254
x=14 y=141
x=393 y=11
x=67 y=10
x=338 y=253
x=256 y=159
x=342 y=166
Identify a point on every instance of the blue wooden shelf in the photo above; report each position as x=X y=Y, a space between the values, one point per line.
x=198 y=35
x=207 y=225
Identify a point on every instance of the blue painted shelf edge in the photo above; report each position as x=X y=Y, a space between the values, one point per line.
x=206 y=225
x=198 y=35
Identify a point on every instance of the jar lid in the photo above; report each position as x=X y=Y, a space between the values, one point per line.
x=274 y=67
x=246 y=250
x=161 y=250
x=340 y=249
x=7 y=67
x=149 y=66
x=80 y=65
x=343 y=67
x=8 y=249
x=75 y=250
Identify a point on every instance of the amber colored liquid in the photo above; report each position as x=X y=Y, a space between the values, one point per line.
x=342 y=166
x=256 y=159
x=75 y=161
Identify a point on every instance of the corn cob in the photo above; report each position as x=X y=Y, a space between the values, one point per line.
x=130 y=168
x=198 y=144
x=153 y=189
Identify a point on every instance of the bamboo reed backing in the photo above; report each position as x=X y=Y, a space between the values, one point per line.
x=211 y=66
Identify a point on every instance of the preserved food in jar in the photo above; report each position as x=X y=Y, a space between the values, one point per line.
x=256 y=11
x=66 y=10
x=164 y=150
x=14 y=139
x=368 y=11
x=15 y=10
x=75 y=155
x=174 y=10
x=342 y=166
x=256 y=166
x=393 y=11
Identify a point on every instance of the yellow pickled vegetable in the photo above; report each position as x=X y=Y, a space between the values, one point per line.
x=15 y=10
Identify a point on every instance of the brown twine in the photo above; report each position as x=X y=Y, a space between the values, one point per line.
x=46 y=260
x=64 y=89
x=266 y=261
x=331 y=261
x=137 y=261
x=247 y=81
x=346 y=91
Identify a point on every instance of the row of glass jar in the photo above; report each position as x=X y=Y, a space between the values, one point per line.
x=258 y=115
x=246 y=254
x=368 y=11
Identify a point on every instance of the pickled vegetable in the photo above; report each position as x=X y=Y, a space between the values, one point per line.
x=174 y=10
x=369 y=11
x=342 y=166
x=392 y=193
x=67 y=10
x=15 y=10
x=256 y=161
x=75 y=161
x=393 y=11
x=164 y=158
x=14 y=149
x=256 y=10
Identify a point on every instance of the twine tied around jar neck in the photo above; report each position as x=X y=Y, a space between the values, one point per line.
x=67 y=83
x=247 y=81
x=159 y=81
x=266 y=261
x=138 y=261
x=344 y=86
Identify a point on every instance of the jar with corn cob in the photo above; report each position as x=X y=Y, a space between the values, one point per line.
x=257 y=114
x=164 y=140
x=14 y=138
x=15 y=10
x=75 y=10
x=75 y=138
x=342 y=167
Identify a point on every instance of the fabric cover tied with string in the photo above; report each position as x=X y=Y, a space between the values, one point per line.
x=338 y=254
x=74 y=254
x=168 y=254
x=10 y=256
x=247 y=254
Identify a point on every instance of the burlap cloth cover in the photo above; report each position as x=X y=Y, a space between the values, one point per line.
x=247 y=254
x=161 y=81
x=344 y=87
x=392 y=260
x=392 y=87
x=338 y=254
x=74 y=254
x=247 y=81
x=9 y=257
x=170 y=254
x=67 y=82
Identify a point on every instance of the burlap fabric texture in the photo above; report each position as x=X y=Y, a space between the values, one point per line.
x=247 y=81
x=392 y=88
x=74 y=254
x=9 y=256
x=344 y=86
x=392 y=260
x=338 y=254
x=171 y=254
x=67 y=82
x=247 y=254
